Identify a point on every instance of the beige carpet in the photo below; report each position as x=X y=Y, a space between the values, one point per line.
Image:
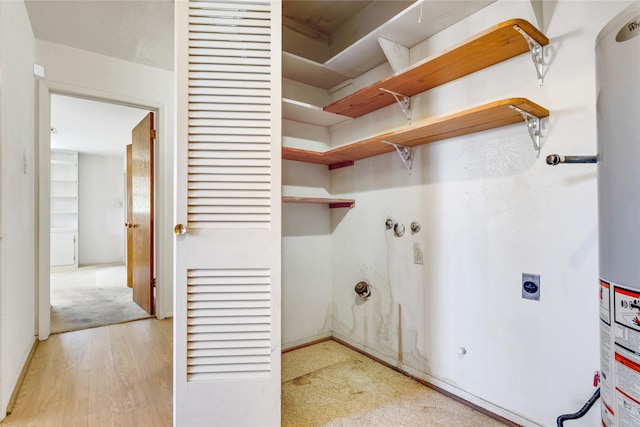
x=90 y=297
x=328 y=384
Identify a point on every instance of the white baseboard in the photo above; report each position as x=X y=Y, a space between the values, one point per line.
x=17 y=383
x=305 y=341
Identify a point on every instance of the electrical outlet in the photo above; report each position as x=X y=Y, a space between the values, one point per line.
x=418 y=253
x=531 y=286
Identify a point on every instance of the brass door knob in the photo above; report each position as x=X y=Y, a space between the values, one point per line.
x=180 y=230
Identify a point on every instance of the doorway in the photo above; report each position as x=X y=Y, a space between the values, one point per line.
x=88 y=212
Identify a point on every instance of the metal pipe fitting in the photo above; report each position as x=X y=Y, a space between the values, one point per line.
x=398 y=230
x=555 y=159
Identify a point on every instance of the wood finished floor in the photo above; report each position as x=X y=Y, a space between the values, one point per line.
x=121 y=375
x=117 y=375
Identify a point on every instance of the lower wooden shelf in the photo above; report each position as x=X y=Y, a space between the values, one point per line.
x=333 y=203
x=485 y=117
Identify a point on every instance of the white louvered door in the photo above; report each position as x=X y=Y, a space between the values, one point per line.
x=227 y=264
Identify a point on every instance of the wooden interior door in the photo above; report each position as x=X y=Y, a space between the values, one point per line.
x=129 y=217
x=142 y=206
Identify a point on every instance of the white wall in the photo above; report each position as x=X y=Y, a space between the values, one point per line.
x=306 y=255
x=17 y=260
x=101 y=209
x=76 y=71
x=490 y=211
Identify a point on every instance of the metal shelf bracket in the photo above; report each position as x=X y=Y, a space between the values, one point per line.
x=405 y=153
x=403 y=101
x=533 y=126
x=536 y=51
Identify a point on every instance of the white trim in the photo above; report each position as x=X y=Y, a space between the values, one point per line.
x=42 y=164
x=163 y=206
x=3 y=403
x=305 y=341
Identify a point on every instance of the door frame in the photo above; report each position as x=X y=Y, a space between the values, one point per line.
x=43 y=229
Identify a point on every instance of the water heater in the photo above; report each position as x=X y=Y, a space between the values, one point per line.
x=618 y=109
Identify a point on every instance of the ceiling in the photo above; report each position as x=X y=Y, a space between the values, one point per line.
x=324 y=17
x=138 y=31
x=92 y=127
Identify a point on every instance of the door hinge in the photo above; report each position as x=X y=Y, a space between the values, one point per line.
x=153 y=133
x=153 y=282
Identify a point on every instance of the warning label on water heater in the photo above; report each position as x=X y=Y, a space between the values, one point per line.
x=627 y=372
x=627 y=318
x=605 y=302
x=606 y=361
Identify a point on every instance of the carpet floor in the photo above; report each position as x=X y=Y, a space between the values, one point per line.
x=327 y=384
x=90 y=297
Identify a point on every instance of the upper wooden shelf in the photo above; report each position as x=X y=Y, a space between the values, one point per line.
x=490 y=47
x=488 y=116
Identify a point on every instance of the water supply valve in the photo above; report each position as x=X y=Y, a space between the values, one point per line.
x=363 y=290
x=398 y=230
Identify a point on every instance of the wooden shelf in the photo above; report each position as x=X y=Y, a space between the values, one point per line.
x=333 y=203
x=490 y=47
x=484 y=117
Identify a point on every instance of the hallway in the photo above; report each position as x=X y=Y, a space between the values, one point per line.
x=107 y=376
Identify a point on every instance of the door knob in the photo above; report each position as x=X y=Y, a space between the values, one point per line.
x=180 y=230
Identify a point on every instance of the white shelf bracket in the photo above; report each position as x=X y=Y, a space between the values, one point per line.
x=533 y=126
x=405 y=153
x=403 y=101
x=536 y=51
x=397 y=55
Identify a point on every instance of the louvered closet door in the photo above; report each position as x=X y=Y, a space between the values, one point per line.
x=227 y=263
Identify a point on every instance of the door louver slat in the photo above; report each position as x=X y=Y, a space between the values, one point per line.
x=229 y=114
x=229 y=324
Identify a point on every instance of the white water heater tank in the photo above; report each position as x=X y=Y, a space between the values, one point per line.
x=618 y=108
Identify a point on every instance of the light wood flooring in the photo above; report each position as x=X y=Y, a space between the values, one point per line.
x=117 y=375
x=121 y=375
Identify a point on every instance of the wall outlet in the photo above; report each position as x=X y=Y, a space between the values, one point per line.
x=531 y=286
x=418 y=253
